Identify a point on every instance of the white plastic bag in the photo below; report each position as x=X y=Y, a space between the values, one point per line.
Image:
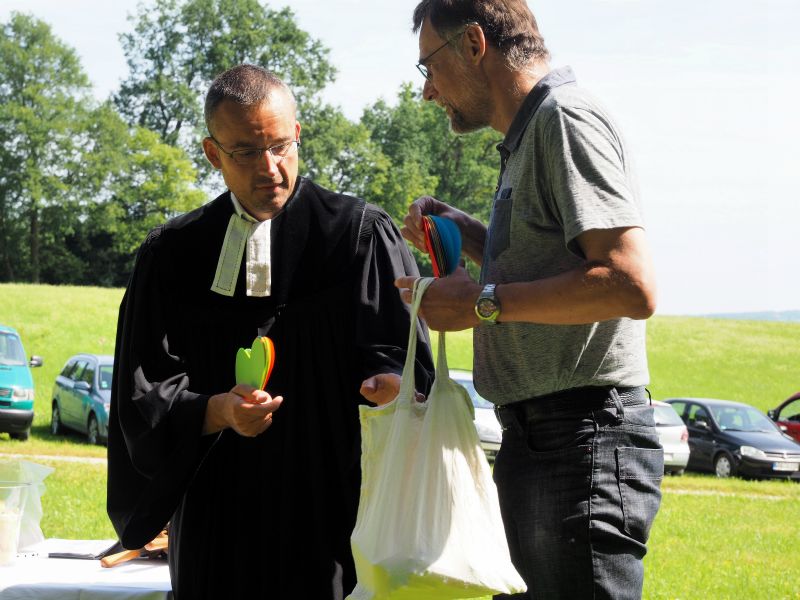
x=428 y=522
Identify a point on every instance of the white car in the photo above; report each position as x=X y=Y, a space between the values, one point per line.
x=674 y=437
x=489 y=430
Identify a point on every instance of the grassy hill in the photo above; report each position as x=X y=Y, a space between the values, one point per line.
x=756 y=362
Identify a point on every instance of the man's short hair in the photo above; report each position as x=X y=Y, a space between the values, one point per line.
x=247 y=85
x=509 y=25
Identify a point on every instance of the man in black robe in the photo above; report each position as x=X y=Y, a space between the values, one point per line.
x=260 y=492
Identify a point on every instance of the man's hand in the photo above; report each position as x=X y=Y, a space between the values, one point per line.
x=383 y=388
x=473 y=233
x=244 y=409
x=448 y=303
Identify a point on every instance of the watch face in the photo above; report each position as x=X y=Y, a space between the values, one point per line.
x=486 y=307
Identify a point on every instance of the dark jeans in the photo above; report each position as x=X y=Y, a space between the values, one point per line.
x=579 y=486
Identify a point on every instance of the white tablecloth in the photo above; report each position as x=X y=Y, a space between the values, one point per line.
x=74 y=579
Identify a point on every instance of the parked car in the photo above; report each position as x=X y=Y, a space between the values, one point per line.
x=787 y=416
x=489 y=430
x=16 y=385
x=674 y=437
x=82 y=396
x=730 y=438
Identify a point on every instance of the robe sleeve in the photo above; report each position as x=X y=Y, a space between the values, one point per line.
x=382 y=320
x=155 y=426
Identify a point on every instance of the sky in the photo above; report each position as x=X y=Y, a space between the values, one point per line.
x=704 y=92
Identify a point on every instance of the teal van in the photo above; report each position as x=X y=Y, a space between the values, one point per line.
x=16 y=385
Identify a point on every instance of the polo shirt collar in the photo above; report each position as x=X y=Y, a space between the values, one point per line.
x=554 y=79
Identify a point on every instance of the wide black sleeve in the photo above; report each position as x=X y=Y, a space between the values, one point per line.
x=155 y=427
x=382 y=319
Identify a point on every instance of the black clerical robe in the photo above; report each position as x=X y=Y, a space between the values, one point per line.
x=270 y=516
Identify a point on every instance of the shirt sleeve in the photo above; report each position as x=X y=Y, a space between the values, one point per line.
x=382 y=320
x=590 y=182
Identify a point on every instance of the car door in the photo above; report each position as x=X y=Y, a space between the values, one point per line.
x=83 y=391
x=71 y=398
x=789 y=418
x=701 y=436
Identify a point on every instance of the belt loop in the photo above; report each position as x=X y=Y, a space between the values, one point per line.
x=614 y=395
x=507 y=417
x=498 y=416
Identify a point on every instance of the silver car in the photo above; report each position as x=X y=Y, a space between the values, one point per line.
x=674 y=437
x=489 y=430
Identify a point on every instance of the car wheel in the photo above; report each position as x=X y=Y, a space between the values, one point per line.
x=55 y=420
x=723 y=465
x=20 y=435
x=93 y=431
x=678 y=472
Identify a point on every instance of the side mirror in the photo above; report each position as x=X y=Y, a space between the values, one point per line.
x=702 y=424
x=783 y=428
x=82 y=386
x=36 y=361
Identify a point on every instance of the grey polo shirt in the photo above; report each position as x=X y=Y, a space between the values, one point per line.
x=565 y=171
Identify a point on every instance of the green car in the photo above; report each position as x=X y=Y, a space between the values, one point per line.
x=16 y=385
x=82 y=397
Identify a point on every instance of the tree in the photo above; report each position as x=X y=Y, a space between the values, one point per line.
x=42 y=89
x=458 y=169
x=426 y=157
x=179 y=46
x=130 y=182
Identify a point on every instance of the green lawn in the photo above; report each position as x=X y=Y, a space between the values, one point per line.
x=712 y=539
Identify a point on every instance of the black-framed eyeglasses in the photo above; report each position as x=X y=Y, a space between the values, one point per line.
x=422 y=68
x=250 y=156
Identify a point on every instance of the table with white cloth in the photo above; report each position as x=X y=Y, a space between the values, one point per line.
x=44 y=578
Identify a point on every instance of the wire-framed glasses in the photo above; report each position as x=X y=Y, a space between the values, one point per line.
x=422 y=68
x=250 y=156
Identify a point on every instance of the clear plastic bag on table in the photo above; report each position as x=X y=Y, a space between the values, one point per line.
x=23 y=471
x=428 y=522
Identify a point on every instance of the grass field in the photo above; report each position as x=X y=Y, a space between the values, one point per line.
x=712 y=538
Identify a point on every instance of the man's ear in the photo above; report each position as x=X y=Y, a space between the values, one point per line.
x=297 y=129
x=212 y=153
x=475 y=43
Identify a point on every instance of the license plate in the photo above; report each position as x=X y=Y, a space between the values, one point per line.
x=785 y=466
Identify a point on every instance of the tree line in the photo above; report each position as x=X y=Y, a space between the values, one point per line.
x=82 y=181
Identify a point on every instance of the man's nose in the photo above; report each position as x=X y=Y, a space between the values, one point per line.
x=270 y=161
x=429 y=91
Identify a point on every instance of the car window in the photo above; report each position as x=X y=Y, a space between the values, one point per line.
x=678 y=407
x=791 y=412
x=666 y=415
x=739 y=418
x=77 y=373
x=106 y=373
x=11 y=352
x=88 y=374
x=697 y=414
x=68 y=368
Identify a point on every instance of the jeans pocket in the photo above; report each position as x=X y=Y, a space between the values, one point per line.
x=500 y=227
x=639 y=472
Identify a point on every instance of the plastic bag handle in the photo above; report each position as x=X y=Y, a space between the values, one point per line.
x=407 y=383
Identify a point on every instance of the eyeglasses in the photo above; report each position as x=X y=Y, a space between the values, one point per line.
x=422 y=68
x=250 y=156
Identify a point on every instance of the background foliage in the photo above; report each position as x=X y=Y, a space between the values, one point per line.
x=82 y=181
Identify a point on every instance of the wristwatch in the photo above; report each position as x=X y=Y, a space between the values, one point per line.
x=487 y=306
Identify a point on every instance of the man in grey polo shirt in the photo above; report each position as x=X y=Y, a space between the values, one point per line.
x=566 y=283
